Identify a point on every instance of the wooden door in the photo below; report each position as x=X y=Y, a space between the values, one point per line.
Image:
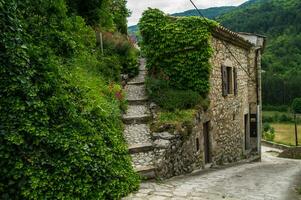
x=207 y=146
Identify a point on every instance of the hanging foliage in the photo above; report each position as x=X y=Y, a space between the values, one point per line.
x=178 y=49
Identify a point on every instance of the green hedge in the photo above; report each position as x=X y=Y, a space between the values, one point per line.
x=160 y=92
x=60 y=127
x=177 y=49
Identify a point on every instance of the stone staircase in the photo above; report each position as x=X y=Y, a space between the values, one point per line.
x=137 y=132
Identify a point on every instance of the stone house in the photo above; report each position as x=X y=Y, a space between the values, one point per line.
x=232 y=125
x=228 y=131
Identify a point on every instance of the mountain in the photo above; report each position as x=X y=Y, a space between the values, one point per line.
x=210 y=13
x=132 y=29
x=279 y=20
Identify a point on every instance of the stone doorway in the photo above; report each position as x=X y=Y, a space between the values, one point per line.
x=207 y=144
x=246 y=131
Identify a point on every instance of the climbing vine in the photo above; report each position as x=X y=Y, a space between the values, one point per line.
x=178 y=49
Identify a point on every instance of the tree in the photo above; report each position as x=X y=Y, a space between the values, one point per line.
x=296 y=106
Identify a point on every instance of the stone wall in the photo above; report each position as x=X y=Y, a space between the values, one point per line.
x=176 y=151
x=226 y=114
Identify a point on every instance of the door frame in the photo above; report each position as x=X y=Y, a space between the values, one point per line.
x=207 y=143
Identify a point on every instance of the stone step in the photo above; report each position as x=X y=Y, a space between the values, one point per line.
x=137 y=134
x=139 y=148
x=138 y=82
x=138 y=119
x=147 y=172
x=135 y=93
x=139 y=101
x=142 y=66
x=136 y=110
x=142 y=160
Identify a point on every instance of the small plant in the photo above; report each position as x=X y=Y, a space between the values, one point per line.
x=116 y=92
x=268 y=132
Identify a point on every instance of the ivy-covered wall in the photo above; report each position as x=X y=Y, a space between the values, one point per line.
x=60 y=127
x=178 y=49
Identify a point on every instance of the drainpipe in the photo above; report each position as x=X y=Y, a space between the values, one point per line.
x=259 y=101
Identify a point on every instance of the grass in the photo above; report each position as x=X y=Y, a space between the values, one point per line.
x=176 y=117
x=285 y=133
x=173 y=120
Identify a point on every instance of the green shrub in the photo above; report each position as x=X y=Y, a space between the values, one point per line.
x=118 y=44
x=266 y=127
x=178 y=99
x=170 y=99
x=296 y=105
x=177 y=49
x=267 y=119
x=285 y=118
x=60 y=130
x=268 y=132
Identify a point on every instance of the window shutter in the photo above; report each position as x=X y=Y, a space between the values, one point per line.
x=235 y=80
x=224 y=80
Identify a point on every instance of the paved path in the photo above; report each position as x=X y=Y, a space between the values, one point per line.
x=272 y=179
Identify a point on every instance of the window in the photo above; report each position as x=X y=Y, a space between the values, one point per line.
x=229 y=80
x=197 y=143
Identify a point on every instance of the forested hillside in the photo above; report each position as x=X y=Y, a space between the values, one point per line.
x=61 y=101
x=210 y=13
x=280 y=21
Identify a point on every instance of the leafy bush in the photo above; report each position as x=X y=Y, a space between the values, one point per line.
x=268 y=132
x=170 y=99
x=178 y=99
x=268 y=119
x=127 y=54
x=275 y=117
x=296 y=105
x=60 y=131
x=177 y=49
x=266 y=127
x=285 y=118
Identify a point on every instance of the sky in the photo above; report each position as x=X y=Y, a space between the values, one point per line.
x=173 y=6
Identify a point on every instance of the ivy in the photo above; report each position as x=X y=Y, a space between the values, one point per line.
x=60 y=127
x=178 y=49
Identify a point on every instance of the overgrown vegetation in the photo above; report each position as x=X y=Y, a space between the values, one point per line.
x=60 y=127
x=177 y=52
x=177 y=49
x=170 y=99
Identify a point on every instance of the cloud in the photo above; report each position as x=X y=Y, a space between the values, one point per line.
x=173 y=6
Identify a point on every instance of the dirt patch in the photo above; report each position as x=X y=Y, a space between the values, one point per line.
x=293 y=153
